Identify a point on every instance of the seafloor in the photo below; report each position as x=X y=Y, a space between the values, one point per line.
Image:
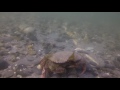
x=24 y=43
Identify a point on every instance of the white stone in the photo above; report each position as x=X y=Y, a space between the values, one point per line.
x=15 y=64
x=17 y=57
x=39 y=67
x=14 y=72
x=19 y=76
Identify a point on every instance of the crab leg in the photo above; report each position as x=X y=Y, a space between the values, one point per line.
x=43 y=73
x=84 y=69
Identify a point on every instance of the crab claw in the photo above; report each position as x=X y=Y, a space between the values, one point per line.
x=43 y=73
x=84 y=69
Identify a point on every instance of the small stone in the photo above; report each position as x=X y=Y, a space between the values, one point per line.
x=13 y=58
x=91 y=49
x=15 y=64
x=24 y=68
x=19 y=76
x=28 y=30
x=17 y=57
x=105 y=75
x=14 y=72
x=39 y=50
x=98 y=77
x=39 y=67
x=9 y=52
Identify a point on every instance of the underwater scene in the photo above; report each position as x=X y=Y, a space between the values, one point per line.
x=59 y=45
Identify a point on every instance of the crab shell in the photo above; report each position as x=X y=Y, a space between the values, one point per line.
x=58 y=61
x=62 y=57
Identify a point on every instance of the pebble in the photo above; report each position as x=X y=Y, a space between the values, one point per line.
x=16 y=65
x=28 y=30
x=14 y=68
x=38 y=66
x=98 y=77
x=40 y=50
x=105 y=75
x=17 y=57
x=91 y=49
x=14 y=72
x=19 y=76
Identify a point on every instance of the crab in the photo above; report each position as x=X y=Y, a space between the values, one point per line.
x=60 y=62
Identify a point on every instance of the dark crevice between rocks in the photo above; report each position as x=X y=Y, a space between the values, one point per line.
x=3 y=64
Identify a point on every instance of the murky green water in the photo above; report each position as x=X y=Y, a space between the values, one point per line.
x=78 y=16
x=108 y=18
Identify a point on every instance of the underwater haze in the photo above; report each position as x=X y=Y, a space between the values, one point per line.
x=27 y=37
x=78 y=16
